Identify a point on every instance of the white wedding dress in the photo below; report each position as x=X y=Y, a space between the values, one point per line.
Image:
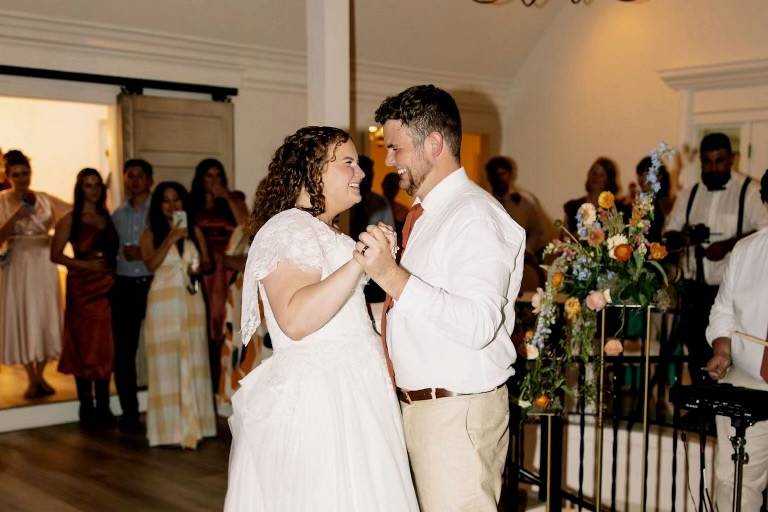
x=316 y=427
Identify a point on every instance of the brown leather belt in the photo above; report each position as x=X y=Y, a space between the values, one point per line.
x=424 y=394
x=432 y=393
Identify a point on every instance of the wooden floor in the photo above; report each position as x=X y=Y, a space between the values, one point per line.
x=65 y=469
x=13 y=384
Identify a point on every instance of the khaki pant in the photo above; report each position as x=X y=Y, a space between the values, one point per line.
x=755 y=476
x=457 y=447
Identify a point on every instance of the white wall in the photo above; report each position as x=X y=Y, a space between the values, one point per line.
x=591 y=86
x=270 y=81
x=60 y=138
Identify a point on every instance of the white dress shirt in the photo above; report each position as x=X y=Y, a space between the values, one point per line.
x=452 y=325
x=742 y=303
x=719 y=210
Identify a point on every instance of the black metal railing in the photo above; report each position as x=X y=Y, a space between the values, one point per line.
x=633 y=390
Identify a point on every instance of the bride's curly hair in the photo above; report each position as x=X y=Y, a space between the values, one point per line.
x=297 y=163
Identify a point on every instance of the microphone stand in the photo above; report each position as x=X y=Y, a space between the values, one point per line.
x=739 y=457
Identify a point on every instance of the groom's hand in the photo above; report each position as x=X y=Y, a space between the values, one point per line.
x=374 y=254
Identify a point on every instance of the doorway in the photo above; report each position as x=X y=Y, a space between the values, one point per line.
x=60 y=138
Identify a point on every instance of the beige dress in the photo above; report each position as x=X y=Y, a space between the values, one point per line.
x=180 y=410
x=30 y=297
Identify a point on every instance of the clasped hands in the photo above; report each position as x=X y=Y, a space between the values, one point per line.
x=376 y=249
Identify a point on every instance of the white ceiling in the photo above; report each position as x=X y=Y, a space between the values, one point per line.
x=458 y=36
x=461 y=36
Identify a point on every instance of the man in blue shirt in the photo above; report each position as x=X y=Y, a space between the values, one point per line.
x=129 y=294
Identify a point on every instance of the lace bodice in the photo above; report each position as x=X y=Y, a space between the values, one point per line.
x=296 y=236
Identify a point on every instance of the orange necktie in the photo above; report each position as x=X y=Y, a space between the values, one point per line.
x=763 y=366
x=413 y=215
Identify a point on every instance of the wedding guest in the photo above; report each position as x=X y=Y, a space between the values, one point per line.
x=216 y=212
x=30 y=296
x=237 y=357
x=740 y=308
x=448 y=331
x=88 y=348
x=663 y=202
x=390 y=185
x=705 y=223
x=4 y=183
x=522 y=206
x=180 y=401
x=602 y=176
x=129 y=295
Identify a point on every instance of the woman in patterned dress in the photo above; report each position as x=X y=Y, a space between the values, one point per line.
x=180 y=409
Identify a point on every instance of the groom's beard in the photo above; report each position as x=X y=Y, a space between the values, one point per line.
x=411 y=183
x=715 y=180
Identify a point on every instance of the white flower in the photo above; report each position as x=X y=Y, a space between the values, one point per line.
x=531 y=352
x=614 y=242
x=588 y=214
x=607 y=295
x=536 y=300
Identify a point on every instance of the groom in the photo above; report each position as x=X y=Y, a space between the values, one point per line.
x=449 y=313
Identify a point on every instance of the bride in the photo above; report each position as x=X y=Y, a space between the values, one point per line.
x=317 y=426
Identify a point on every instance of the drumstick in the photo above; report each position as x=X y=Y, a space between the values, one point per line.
x=751 y=338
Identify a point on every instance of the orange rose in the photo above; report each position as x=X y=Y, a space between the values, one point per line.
x=595 y=236
x=541 y=401
x=623 y=252
x=657 y=251
x=557 y=280
x=605 y=199
x=613 y=347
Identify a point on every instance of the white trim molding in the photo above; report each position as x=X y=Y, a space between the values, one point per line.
x=71 y=45
x=717 y=76
x=104 y=49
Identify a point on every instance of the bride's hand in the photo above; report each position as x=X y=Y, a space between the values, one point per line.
x=391 y=235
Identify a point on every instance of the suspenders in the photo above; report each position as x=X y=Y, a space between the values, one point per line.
x=689 y=207
x=742 y=200
x=699 y=250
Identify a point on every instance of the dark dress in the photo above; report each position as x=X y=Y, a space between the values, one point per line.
x=217 y=228
x=88 y=349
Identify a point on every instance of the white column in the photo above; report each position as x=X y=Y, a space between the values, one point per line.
x=328 y=63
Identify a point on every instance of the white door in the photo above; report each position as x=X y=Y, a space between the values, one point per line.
x=174 y=135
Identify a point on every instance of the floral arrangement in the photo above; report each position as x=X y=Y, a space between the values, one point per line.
x=606 y=261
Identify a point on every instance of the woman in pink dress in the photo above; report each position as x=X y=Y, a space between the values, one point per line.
x=30 y=296
x=216 y=211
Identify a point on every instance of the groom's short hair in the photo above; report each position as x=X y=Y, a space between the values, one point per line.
x=425 y=109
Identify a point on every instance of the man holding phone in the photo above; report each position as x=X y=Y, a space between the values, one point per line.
x=129 y=294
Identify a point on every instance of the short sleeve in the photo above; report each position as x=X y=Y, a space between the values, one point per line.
x=289 y=236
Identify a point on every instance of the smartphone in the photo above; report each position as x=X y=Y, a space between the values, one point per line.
x=29 y=200
x=180 y=219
